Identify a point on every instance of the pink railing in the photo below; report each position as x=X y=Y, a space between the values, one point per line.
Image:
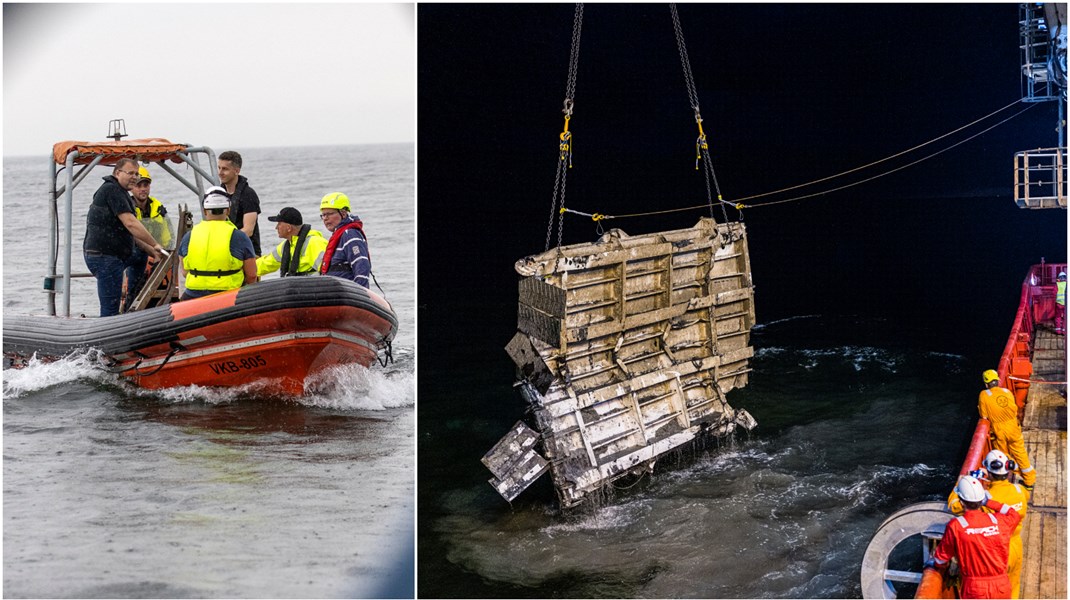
x=1037 y=305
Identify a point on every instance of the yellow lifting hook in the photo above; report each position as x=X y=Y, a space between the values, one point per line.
x=700 y=143
x=566 y=143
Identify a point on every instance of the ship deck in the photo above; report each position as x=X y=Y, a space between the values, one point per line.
x=1044 y=430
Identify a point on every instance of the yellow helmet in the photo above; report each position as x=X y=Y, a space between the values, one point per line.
x=143 y=174
x=989 y=376
x=335 y=200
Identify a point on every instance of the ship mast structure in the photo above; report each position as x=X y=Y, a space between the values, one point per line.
x=1040 y=174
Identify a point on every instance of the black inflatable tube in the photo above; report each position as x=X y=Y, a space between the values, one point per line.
x=56 y=336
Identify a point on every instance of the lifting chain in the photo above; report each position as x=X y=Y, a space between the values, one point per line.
x=702 y=148
x=564 y=161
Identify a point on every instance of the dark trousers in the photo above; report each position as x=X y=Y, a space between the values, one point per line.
x=108 y=270
x=135 y=268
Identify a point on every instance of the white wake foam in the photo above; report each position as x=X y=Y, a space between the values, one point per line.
x=39 y=374
x=345 y=387
x=355 y=387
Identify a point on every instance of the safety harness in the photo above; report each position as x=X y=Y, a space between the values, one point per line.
x=289 y=265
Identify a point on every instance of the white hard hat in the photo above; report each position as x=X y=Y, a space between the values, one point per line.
x=996 y=462
x=970 y=489
x=216 y=197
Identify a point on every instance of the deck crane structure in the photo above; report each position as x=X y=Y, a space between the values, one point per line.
x=1040 y=174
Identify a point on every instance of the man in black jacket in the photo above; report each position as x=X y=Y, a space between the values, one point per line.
x=111 y=232
x=244 y=203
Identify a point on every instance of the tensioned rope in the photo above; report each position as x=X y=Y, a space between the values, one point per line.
x=702 y=147
x=877 y=162
x=739 y=203
x=564 y=158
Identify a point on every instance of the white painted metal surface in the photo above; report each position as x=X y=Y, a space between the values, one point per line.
x=627 y=348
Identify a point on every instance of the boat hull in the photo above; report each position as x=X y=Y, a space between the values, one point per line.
x=275 y=334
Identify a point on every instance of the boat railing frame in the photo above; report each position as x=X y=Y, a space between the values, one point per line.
x=1014 y=372
x=1040 y=178
x=60 y=283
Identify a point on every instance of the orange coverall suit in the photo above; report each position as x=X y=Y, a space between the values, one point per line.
x=980 y=541
x=1017 y=497
x=998 y=406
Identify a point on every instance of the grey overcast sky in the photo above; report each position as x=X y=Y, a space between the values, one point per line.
x=223 y=75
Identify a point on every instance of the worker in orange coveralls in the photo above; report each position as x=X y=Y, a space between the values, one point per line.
x=980 y=541
x=998 y=406
x=998 y=467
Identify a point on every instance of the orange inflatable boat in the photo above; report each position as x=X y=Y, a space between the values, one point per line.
x=276 y=333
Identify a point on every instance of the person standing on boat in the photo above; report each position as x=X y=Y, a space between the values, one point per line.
x=980 y=541
x=216 y=255
x=147 y=208
x=153 y=216
x=999 y=467
x=111 y=232
x=1060 y=303
x=301 y=241
x=244 y=203
x=998 y=406
x=346 y=255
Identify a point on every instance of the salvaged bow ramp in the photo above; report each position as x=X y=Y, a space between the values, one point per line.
x=626 y=350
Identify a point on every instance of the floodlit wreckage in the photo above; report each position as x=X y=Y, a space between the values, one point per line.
x=626 y=349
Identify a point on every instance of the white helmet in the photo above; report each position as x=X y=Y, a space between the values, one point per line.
x=970 y=489
x=996 y=463
x=216 y=197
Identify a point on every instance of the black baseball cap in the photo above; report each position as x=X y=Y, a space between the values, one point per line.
x=287 y=215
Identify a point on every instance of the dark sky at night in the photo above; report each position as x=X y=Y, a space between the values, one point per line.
x=789 y=94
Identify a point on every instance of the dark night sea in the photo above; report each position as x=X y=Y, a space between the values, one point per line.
x=878 y=306
x=859 y=414
x=114 y=492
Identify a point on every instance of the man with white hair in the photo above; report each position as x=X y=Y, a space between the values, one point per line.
x=216 y=255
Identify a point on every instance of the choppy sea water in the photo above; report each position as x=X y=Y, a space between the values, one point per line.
x=854 y=422
x=113 y=491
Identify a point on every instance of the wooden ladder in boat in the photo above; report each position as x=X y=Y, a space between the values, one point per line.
x=162 y=285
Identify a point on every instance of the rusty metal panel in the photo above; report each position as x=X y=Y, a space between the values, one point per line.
x=629 y=345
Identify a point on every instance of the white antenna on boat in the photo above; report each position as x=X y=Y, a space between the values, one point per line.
x=117 y=129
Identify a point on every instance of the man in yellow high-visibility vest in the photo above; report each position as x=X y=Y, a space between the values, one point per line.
x=216 y=255
x=1060 y=303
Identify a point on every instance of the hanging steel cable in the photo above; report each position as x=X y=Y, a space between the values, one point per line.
x=702 y=147
x=564 y=159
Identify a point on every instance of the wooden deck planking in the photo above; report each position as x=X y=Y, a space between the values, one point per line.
x=1047 y=451
x=1059 y=552
x=1031 y=568
x=1044 y=431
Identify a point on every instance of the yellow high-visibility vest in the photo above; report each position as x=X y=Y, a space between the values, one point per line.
x=208 y=262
